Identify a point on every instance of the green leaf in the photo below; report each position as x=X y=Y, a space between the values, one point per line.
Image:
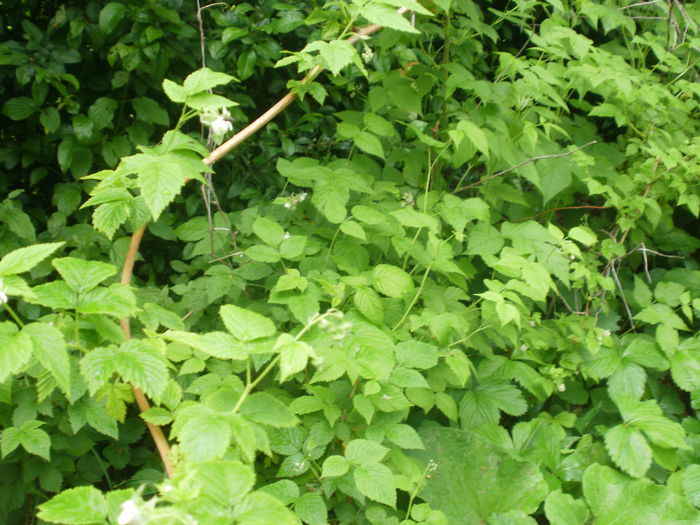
x=82 y=275
x=311 y=509
x=405 y=436
x=615 y=498
x=407 y=378
x=268 y=230
x=225 y=482
x=386 y=17
x=24 y=259
x=174 y=91
x=690 y=481
x=563 y=509
x=629 y=450
x=626 y=385
x=364 y=451
x=20 y=108
x=685 y=366
x=205 y=79
x=369 y=143
x=376 y=481
x=487 y=400
x=246 y=325
x=475 y=135
x=205 y=437
x=148 y=110
x=34 y=440
x=160 y=177
x=335 y=54
x=139 y=362
x=470 y=487
x=294 y=356
x=391 y=281
x=264 y=408
x=414 y=354
x=101 y=112
x=110 y=16
x=353 y=229
x=330 y=199
x=50 y=118
x=50 y=350
x=368 y=302
x=259 y=508
x=584 y=235
x=97 y=367
x=15 y=350
x=79 y=506
x=334 y=466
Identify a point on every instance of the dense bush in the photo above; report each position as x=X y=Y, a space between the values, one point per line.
x=455 y=281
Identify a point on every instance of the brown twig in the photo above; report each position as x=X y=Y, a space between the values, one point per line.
x=128 y=266
x=525 y=162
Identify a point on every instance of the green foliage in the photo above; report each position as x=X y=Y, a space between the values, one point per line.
x=456 y=284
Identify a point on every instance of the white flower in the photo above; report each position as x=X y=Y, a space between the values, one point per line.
x=524 y=348
x=607 y=333
x=286 y=235
x=130 y=514
x=367 y=54
x=221 y=126
x=561 y=387
x=3 y=292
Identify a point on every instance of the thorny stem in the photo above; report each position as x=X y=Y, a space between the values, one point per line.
x=128 y=267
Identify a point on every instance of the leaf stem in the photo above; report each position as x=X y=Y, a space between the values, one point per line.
x=14 y=315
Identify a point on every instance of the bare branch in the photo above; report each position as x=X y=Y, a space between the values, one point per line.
x=528 y=161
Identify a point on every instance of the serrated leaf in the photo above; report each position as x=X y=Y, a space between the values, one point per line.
x=15 y=350
x=24 y=259
x=259 y=508
x=415 y=354
x=149 y=110
x=97 y=367
x=205 y=437
x=364 y=451
x=391 y=281
x=205 y=79
x=294 y=356
x=369 y=143
x=246 y=325
x=77 y=506
x=160 y=177
x=264 y=408
x=334 y=466
x=174 y=91
x=268 y=230
x=311 y=508
x=376 y=481
x=484 y=403
x=405 y=436
x=82 y=275
x=368 y=302
x=50 y=350
x=226 y=482
x=629 y=450
x=387 y=17
x=330 y=199
x=34 y=440
x=140 y=364
x=690 y=481
x=563 y=509
x=475 y=135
